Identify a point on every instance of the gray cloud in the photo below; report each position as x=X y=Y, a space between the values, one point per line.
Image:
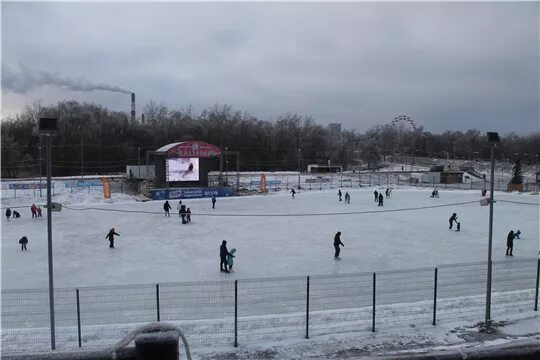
x=447 y=65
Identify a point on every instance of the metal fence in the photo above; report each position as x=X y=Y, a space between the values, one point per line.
x=232 y=312
x=365 y=179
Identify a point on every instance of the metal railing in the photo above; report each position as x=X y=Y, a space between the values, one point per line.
x=233 y=312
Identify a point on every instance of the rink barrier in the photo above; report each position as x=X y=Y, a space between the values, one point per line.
x=247 y=310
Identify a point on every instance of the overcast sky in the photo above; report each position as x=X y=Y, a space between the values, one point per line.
x=449 y=66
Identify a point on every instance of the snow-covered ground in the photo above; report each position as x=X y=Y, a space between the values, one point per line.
x=275 y=236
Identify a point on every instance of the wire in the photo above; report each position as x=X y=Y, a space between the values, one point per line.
x=519 y=202
x=277 y=215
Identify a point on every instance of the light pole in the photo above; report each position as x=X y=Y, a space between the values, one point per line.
x=39 y=170
x=138 y=167
x=226 y=165
x=298 y=168
x=47 y=127
x=82 y=155
x=493 y=139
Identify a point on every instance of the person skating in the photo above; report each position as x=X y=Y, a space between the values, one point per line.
x=510 y=243
x=38 y=209
x=188 y=215
x=337 y=242
x=339 y=194
x=23 y=241
x=213 y=201
x=230 y=258
x=223 y=253
x=381 y=199
x=435 y=193
x=347 y=197
x=178 y=207
x=388 y=192
x=451 y=220
x=110 y=236
x=292 y=193
x=516 y=234
x=16 y=215
x=33 y=209
x=183 y=213
x=8 y=213
x=376 y=193
x=167 y=207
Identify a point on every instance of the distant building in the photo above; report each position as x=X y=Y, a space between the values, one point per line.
x=335 y=129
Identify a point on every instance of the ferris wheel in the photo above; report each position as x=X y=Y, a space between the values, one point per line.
x=404 y=122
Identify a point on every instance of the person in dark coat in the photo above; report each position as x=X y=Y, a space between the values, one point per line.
x=376 y=193
x=167 y=207
x=213 y=201
x=8 y=213
x=452 y=219
x=38 y=209
x=292 y=193
x=23 y=241
x=337 y=242
x=381 y=199
x=339 y=194
x=188 y=215
x=516 y=234
x=110 y=236
x=223 y=253
x=510 y=242
x=16 y=215
x=388 y=192
x=178 y=208
x=183 y=213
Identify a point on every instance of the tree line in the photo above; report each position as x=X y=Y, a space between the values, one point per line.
x=92 y=139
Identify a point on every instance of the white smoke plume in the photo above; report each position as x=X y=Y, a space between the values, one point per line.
x=27 y=79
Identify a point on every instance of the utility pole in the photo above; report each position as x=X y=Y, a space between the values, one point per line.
x=82 y=155
x=47 y=127
x=226 y=165
x=493 y=139
x=39 y=170
x=299 y=170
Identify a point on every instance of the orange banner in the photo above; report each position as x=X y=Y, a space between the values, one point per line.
x=263 y=183
x=106 y=188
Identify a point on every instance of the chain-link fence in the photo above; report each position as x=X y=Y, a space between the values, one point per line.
x=277 y=181
x=232 y=312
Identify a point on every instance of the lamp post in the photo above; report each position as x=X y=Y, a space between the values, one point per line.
x=493 y=139
x=299 y=169
x=39 y=170
x=47 y=127
x=226 y=165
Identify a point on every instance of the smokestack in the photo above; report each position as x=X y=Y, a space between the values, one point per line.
x=133 y=106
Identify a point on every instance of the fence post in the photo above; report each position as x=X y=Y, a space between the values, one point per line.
x=78 y=317
x=307 y=308
x=537 y=281
x=373 y=316
x=435 y=298
x=157 y=301
x=235 y=313
x=15 y=193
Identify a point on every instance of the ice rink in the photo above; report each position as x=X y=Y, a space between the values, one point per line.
x=407 y=232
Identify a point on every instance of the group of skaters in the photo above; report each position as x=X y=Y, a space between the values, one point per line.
x=379 y=197
x=347 y=197
x=183 y=211
x=226 y=258
x=36 y=212
x=9 y=214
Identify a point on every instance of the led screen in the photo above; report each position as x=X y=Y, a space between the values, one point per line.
x=183 y=169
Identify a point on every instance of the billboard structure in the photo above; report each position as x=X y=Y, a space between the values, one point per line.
x=185 y=164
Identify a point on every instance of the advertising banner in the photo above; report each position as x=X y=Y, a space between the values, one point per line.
x=270 y=182
x=82 y=183
x=106 y=188
x=26 y=186
x=190 y=193
x=263 y=183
